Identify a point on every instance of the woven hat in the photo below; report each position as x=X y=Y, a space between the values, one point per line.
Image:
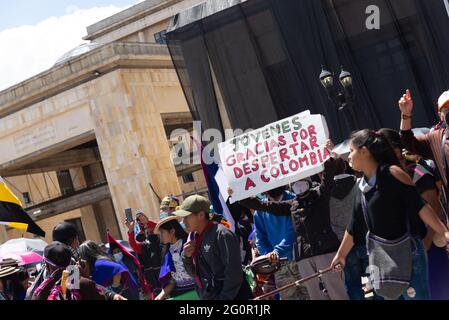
x=165 y=220
x=8 y=267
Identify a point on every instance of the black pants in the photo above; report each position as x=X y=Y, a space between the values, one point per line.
x=152 y=277
x=245 y=292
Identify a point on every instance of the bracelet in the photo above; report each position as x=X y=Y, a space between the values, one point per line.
x=406 y=117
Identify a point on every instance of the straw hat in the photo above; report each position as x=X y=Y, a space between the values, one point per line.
x=165 y=220
x=8 y=267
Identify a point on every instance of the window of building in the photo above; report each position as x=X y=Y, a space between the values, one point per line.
x=65 y=182
x=26 y=197
x=188 y=178
x=79 y=228
x=160 y=37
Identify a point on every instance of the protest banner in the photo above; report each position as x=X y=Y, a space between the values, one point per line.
x=275 y=155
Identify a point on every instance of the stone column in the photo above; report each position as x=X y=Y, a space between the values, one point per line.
x=90 y=225
x=3 y=235
x=132 y=140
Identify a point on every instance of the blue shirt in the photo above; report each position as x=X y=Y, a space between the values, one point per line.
x=275 y=233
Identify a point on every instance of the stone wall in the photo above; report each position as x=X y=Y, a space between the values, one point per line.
x=131 y=137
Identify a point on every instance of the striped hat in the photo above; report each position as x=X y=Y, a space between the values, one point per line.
x=8 y=267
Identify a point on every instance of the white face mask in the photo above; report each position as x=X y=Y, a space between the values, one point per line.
x=301 y=187
x=118 y=256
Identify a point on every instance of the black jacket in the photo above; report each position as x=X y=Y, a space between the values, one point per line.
x=151 y=260
x=311 y=216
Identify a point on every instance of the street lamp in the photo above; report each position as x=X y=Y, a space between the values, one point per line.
x=326 y=78
x=345 y=79
x=344 y=101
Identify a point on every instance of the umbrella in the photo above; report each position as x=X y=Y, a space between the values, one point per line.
x=23 y=258
x=23 y=245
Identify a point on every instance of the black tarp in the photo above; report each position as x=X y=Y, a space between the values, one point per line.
x=267 y=55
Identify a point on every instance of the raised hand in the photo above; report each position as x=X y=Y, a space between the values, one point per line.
x=406 y=103
x=130 y=225
x=330 y=145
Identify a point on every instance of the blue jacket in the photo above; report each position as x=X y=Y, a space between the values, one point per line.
x=275 y=233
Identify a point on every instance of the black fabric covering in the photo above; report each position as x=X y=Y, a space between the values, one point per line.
x=266 y=56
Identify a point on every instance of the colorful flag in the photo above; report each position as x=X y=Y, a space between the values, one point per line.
x=218 y=202
x=12 y=213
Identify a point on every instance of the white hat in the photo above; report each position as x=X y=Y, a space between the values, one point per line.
x=443 y=100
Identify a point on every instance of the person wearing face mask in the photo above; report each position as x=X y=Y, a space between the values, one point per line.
x=125 y=258
x=148 y=248
x=107 y=272
x=316 y=242
x=275 y=238
x=168 y=206
x=66 y=233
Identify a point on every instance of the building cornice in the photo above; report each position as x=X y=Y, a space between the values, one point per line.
x=127 y=16
x=81 y=69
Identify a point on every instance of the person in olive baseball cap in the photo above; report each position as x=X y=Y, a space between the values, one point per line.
x=212 y=254
x=193 y=204
x=195 y=212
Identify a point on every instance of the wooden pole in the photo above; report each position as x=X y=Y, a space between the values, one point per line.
x=296 y=283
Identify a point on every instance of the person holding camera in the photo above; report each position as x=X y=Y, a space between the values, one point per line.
x=147 y=245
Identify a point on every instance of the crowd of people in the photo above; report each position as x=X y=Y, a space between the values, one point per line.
x=380 y=214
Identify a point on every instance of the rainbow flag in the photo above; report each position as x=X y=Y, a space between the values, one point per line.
x=12 y=213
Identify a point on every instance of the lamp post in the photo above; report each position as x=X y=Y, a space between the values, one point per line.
x=344 y=101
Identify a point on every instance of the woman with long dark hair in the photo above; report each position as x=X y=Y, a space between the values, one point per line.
x=387 y=216
x=106 y=272
x=57 y=258
x=173 y=276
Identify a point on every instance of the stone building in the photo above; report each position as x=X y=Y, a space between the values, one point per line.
x=89 y=137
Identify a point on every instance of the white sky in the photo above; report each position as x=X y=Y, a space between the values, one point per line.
x=30 y=49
